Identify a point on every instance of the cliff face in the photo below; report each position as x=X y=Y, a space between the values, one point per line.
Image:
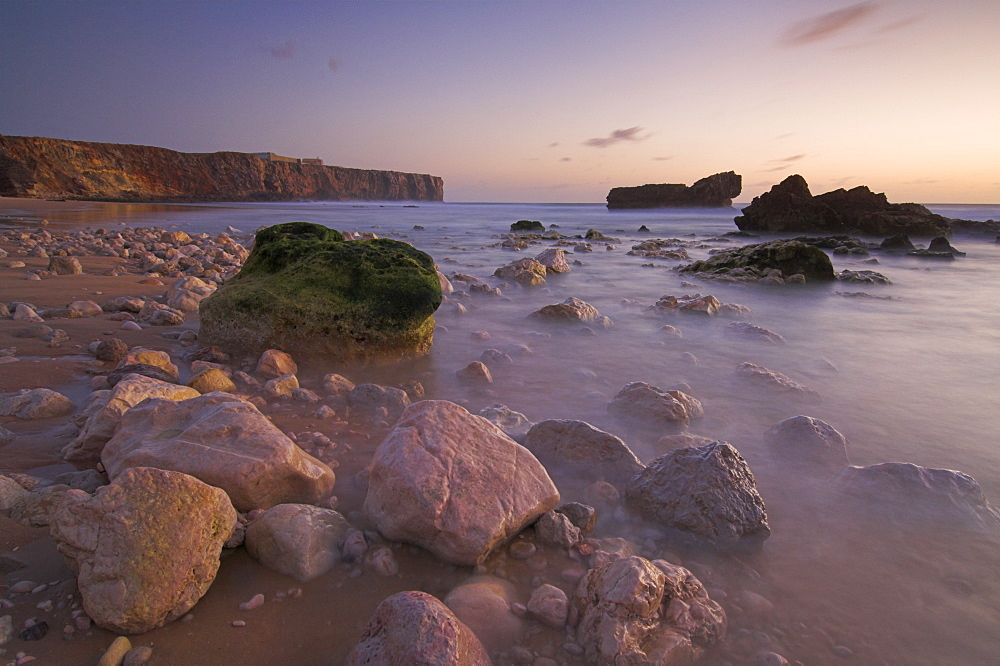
x=56 y=169
x=710 y=192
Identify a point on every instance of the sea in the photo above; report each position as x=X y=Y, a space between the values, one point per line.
x=907 y=372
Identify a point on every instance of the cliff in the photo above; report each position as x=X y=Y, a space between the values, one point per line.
x=56 y=169
x=790 y=206
x=711 y=192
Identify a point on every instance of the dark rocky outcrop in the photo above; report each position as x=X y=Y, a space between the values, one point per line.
x=44 y=168
x=789 y=257
x=307 y=291
x=790 y=206
x=527 y=226
x=715 y=191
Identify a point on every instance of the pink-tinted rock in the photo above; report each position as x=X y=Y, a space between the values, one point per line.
x=299 y=540
x=576 y=451
x=39 y=403
x=274 y=363
x=653 y=406
x=483 y=603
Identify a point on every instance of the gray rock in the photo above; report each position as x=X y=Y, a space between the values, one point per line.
x=367 y=398
x=577 y=451
x=515 y=424
x=653 y=406
x=556 y=529
x=298 y=540
x=39 y=403
x=808 y=442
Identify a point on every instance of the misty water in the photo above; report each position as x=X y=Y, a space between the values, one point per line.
x=908 y=376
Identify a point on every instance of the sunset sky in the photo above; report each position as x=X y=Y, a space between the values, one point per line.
x=532 y=101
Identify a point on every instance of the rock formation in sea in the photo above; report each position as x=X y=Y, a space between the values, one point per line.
x=307 y=291
x=43 y=168
x=790 y=206
x=716 y=191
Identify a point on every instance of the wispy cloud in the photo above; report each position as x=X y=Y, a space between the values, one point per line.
x=566 y=159
x=283 y=52
x=553 y=144
x=827 y=25
x=663 y=159
x=333 y=64
x=630 y=134
x=791 y=158
x=784 y=162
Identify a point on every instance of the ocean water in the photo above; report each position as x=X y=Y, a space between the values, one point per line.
x=909 y=375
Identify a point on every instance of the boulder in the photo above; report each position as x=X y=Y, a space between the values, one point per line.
x=35 y=507
x=211 y=379
x=372 y=400
x=80 y=309
x=908 y=493
x=145 y=548
x=224 y=441
x=549 y=605
x=416 y=628
x=703 y=305
x=527 y=226
x=308 y=291
x=186 y=294
x=716 y=191
x=633 y=611
x=526 y=272
x=572 y=310
x=483 y=604
x=274 y=363
x=554 y=260
x=64 y=266
x=10 y=492
x=23 y=312
x=113 y=350
x=788 y=256
x=575 y=451
x=554 y=528
x=153 y=357
x=808 y=442
x=776 y=381
x=39 y=403
x=143 y=369
x=298 y=540
x=454 y=483
x=789 y=206
x=653 y=406
x=706 y=491
x=337 y=385
x=475 y=373
x=105 y=412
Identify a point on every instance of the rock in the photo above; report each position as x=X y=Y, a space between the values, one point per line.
x=494 y=358
x=788 y=256
x=698 y=304
x=298 y=540
x=680 y=440
x=748 y=331
x=145 y=548
x=416 y=628
x=211 y=379
x=274 y=363
x=116 y=652
x=281 y=387
x=112 y=349
x=908 y=493
x=35 y=508
x=475 y=373
x=305 y=289
x=186 y=294
x=447 y=287
x=34 y=331
x=515 y=424
x=715 y=191
x=582 y=516
x=897 y=243
x=224 y=441
x=368 y=399
x=526 y=272
x=24 y=313
x=454 y=483
x=789 y=206
x=527 y=226
x=707 y=491
x=632 y=610
x=940 y=245
x=81 y=309
x=776 y=381
x=64 y=266
x=153 y=357
x=483 y=603
x=863 y=277
x=142 y=369
x=105 y=413
x=39 y=403
x=554 y=260
x=11 y=492
x=808 y=442
x=650 y=405
x=571 y=310
x=130 y=326
x=577 y=451
x=549 y=605
x=87 y=480
x=6 y=629
x=556 y=529
x=337 y=385
x=6 y=436
x=138 y=656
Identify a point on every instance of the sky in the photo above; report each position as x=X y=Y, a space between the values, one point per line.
x=532 y=101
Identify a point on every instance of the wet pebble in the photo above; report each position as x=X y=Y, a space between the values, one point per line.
x=521 y=550
x=138 y=656
x=842 y=651
x=116 y=652
x=238 y=623
x=572 y=648
x=255 y=602
x=34 y=632
x=21 y=587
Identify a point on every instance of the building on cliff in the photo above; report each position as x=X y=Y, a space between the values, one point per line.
x=273 y=157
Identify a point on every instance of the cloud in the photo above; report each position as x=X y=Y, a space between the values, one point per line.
x=333 y=64
x=827 y=25
x=553 y=144
x=792 y=158
x=922 y=181
x=283 y=52
x=618 y=136
x=663 y=159
x=566 y=159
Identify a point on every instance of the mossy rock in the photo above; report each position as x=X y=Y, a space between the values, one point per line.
x=527 y=226
x=307 y=291
x=790 y=257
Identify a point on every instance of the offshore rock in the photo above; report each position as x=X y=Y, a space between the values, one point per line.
x=776 y=381
x=454 y=483
x=576 y=450
x=42 y=168
x=221 y=440
x=416 y=628
x=145 y=548
x=307 y=291
x=711 y=192
x=653 y=406
x=707 y=491
x=633 y=611
x=789 y=206
x=808 y=442
x=789 y=257
x=569 y=311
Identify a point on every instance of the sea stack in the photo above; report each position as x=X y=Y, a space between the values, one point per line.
x=715 y=191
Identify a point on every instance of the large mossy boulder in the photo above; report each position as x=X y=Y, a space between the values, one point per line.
x=788 y=256
x=307 y=291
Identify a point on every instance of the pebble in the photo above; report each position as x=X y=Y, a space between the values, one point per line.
x=39 y=588
x=518 y=609
x=131 y=326
x=239 y=623
x=255 y=602
x=521 y=550
x=116 y=652
x=572 y=648
x=138 y=656
x=21 y=587
x=34 y=632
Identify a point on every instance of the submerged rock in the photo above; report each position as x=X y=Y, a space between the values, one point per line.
x=515 y=424
x=748 y=331
x=572 y=310
x=526 y=272
x=808 y=442
x=776 y=381
x=707 y=491
x=306 y=290
x=454 y=483
x=653 y=406
x=707 y=305
x=575 y=451
x=554 y=260
x=416 y=628
x=788 y=256
x=145 y=548
x=863 y=277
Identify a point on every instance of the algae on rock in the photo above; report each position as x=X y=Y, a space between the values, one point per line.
x=307 y=291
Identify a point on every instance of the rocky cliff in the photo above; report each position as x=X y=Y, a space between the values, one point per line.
x=56 y=169
x=790 y=206
x=711 y=192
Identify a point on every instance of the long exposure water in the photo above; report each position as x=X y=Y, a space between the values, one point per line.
x=909 y=376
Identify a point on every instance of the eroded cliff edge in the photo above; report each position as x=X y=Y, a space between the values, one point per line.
x=715 y=191
x=44 y=168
